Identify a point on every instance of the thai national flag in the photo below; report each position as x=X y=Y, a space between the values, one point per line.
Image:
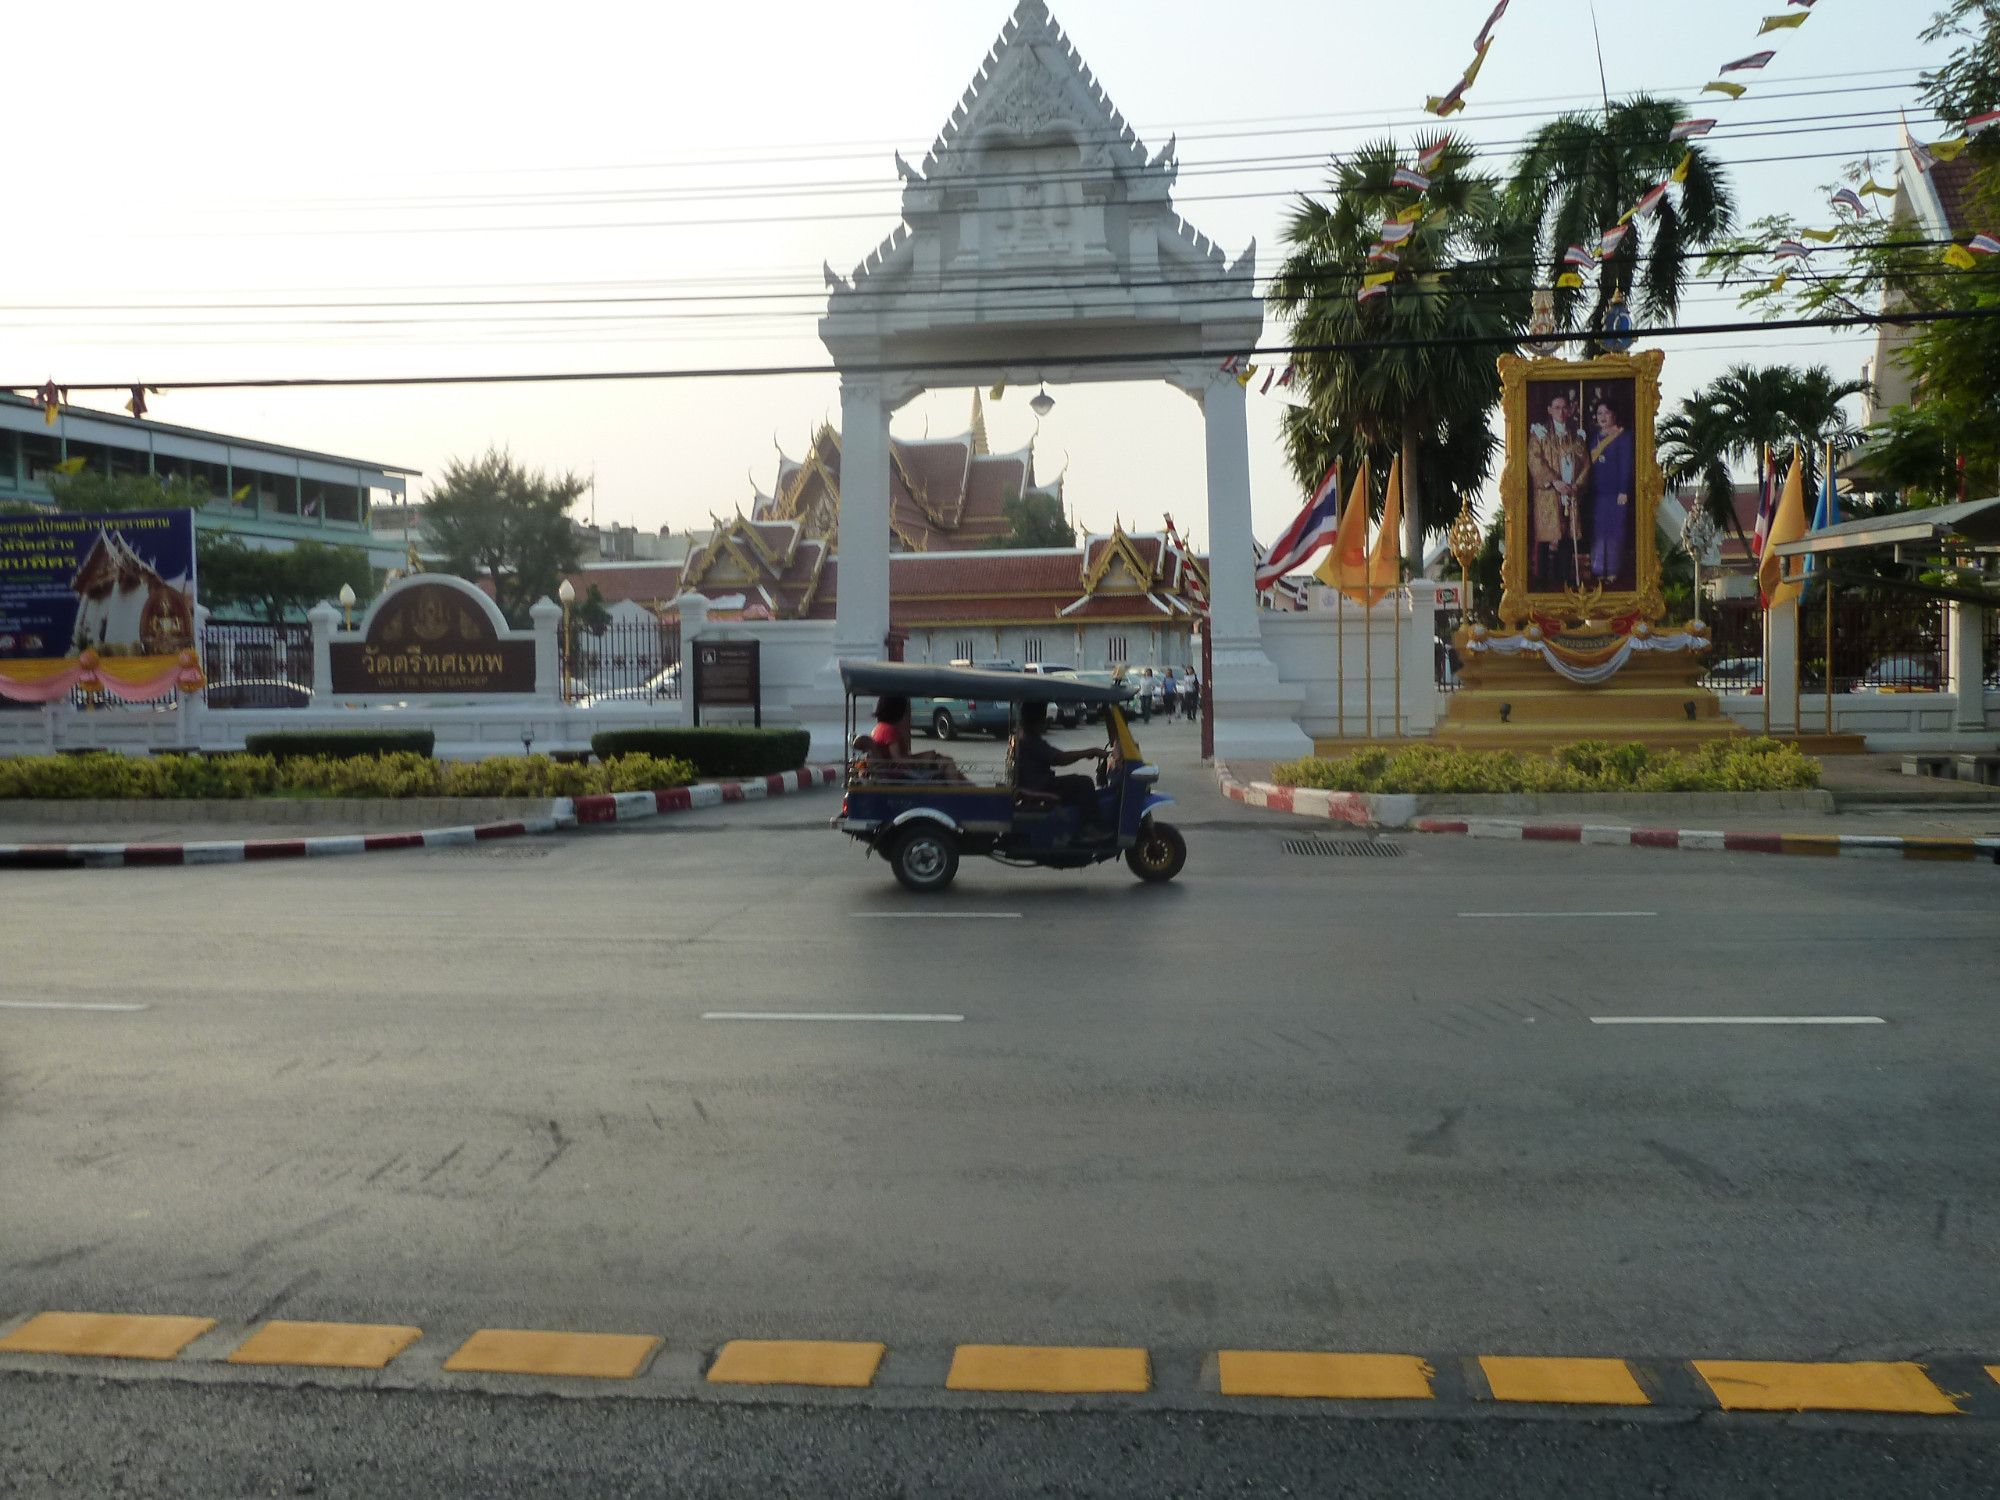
x=1984 y=244
x=1576 y=255
x=1406 y=178
x=1767 y=490
x=1848 y=198
x=1312 y=529
x=1689 y=129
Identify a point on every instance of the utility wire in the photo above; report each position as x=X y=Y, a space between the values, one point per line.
x=1050 y=359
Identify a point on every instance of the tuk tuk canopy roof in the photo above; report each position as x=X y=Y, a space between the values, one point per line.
x=902 y=679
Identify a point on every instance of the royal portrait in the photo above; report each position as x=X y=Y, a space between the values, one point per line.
x=1580 y=487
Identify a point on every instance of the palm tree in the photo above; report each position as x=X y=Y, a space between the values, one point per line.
x=1425 y=401
x=1578 y=177
x=1747 y=412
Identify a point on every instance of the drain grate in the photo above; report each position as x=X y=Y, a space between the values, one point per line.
x=1363 y=847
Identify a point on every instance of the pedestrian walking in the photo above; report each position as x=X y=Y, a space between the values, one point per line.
x=1170 y=695
x=1191 y=695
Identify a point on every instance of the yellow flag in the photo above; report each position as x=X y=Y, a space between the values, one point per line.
x=1949 y=150
x=1873 y=189
x=1569 y=278
x=1380 y=278
x=71 y=466
x=1478 y=62
x=1819 y=236
x=49 y=414
x=1346 y=565
x=1411 y=214
x=1733 y=90
x=1783 y=23
x=1788 y=525
x=1243 y=375
x=1681 y=168
x=1385 y=563
x=242 y=494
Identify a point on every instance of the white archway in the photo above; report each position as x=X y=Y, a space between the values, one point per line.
x=1039 y=242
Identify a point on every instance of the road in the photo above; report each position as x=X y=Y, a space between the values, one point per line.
x=1289 y=1102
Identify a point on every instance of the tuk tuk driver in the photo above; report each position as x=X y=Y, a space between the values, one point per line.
x=1035 y=760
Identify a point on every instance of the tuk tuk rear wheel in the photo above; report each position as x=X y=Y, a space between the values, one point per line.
x=1159 y=855
x=925 y=858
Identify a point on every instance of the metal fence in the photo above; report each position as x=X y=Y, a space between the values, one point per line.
x=1885 y=642
x=1735 y=662
x=257 y=666
x=627 y=661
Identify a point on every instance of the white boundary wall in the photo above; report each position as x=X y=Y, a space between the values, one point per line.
x=1346 y=658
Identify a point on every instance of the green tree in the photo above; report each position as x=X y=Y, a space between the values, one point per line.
x=93 y=492
x=1425 y=401
x=1947 y=441
x=1033 y=520
x=274 y=585
x=1745 y=411
x=1581 y=174
x=498 y=522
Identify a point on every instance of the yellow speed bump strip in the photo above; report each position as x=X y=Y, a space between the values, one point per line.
x=1336 y=1377
x=513 y=1351
x=795 y=1362
x=1749 y=1385
x=1569 y=1382
x=1051 y=1371
x=107 y=1335
x=345 y=1346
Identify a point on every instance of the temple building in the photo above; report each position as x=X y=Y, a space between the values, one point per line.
x=945 y=494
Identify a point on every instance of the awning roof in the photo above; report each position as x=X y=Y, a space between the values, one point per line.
x=897 y=679
x=1976 y=521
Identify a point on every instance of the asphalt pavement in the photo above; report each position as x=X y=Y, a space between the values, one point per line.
x=1392 y=1101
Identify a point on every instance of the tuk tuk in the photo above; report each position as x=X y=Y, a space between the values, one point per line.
x=922 y=812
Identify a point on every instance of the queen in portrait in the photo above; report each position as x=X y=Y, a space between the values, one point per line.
x=1612 y=464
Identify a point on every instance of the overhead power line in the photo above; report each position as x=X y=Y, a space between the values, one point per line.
x=1050 y=359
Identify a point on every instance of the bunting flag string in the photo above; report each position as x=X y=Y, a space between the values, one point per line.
x=1453 y=99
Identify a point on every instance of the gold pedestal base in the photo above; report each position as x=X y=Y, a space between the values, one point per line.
x=1521 y=703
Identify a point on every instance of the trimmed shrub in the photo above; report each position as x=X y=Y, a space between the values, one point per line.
x=339 y=744
x=98 y=774
x=1586 y=766
x=714 y=751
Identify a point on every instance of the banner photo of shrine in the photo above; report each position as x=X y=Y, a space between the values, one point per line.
x=100 y=602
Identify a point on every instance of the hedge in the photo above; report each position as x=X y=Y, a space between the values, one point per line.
x=100 y=774
x=340 y=744
x=1758 y=765
x=716 y=751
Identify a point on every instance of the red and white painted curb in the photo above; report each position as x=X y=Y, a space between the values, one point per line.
x=1850 y=845
x=1395 y=810
x=614 y=807
x=623 y=807
x=1363 y=809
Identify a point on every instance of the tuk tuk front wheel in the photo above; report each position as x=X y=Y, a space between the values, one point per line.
x=1159 y=855
x=925 y=858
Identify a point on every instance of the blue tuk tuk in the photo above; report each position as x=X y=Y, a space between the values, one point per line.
x=922 y=812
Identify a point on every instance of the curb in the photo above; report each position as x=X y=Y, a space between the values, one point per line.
x=1383 y=810
x=1362 y=809
x=1851 y=845
x=609 y=807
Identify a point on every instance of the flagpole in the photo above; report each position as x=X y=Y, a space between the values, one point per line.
x=1826 y=577
x=1340 y=608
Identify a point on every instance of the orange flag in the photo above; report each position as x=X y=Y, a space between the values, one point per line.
x=1385 y=564
x=1788 y=525
x=1346 y=565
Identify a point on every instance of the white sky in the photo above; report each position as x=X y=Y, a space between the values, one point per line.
x=215 y=153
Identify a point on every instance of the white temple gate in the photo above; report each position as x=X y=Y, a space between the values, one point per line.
x=1039 y=243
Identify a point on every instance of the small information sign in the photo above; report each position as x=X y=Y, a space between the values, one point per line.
x=726 y=676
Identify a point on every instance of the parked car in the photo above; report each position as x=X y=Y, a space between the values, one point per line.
x=1064 y=715
x=1736 y=674
x=258 y=693
x=663 y=685
x=948 y=718
x=1903 y=674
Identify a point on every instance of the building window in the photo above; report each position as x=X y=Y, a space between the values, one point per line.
x=1116 y=648
x=1031 y=650
x=961 y=649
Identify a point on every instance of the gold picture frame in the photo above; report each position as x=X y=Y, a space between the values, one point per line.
x=1527 y=589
